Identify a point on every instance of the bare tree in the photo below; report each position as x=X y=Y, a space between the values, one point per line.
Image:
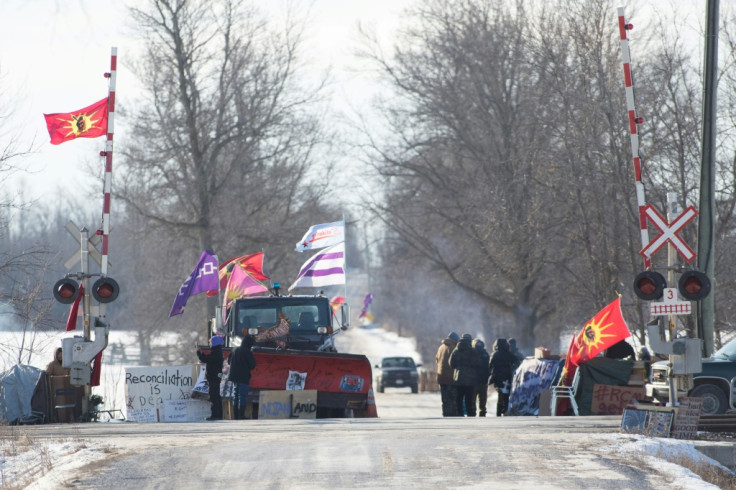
x=510 y=173
x=225 y=139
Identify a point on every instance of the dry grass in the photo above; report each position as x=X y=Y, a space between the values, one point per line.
x=16 y=442
x=708 y=472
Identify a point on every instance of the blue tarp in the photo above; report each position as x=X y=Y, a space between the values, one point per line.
x=16 y=390
x=530 y=378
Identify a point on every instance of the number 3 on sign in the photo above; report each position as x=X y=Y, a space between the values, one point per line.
x=669 y=293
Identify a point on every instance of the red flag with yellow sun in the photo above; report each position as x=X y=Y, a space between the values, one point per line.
x=89 y=122
x=601 y=332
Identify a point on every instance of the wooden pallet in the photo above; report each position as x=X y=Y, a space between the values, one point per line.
x=724 y=422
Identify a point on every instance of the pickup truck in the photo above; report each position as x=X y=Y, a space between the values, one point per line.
x=716 y=383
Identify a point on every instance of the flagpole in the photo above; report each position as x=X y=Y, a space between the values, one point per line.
x=107 y=153
x=345 y=256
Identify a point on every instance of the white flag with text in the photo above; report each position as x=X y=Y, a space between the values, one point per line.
x=321 y=236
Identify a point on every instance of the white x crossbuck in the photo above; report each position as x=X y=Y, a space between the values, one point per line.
x=669 y=232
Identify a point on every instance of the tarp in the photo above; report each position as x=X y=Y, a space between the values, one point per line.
x=16 y=390
x=530 y=378
x=602 y=371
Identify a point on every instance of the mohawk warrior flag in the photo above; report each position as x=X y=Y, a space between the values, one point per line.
x=321 y=236
x=601 y=332
x=326 y=268
x=252 y=264
x=240 y=284
x=89 y=122
x=203 y=278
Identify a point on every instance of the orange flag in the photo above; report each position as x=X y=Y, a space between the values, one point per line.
x=89 y=122
x=601 y=332
x=253 y=264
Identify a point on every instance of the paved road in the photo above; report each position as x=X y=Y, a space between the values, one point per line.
x=393 y=451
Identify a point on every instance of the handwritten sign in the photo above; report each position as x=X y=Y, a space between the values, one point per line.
x=295 y=404
x=148 y=414
x=611 y=400
x=147 y=387
x=685 y=425
x=185 y=410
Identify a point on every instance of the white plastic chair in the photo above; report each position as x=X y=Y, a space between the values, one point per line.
x=560 y=392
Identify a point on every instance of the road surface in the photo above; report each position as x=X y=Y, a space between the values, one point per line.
x=393 y=451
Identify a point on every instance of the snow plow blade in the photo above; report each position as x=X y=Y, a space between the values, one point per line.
x=343 y=381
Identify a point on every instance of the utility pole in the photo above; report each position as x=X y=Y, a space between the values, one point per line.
x=706 y=220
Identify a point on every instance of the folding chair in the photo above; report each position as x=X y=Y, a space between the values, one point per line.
x=66 y=393
x=560 y=392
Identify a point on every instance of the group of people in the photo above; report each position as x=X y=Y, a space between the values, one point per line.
x=241 y=362
x=465 y=369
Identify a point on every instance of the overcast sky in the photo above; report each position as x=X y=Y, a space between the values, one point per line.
x=53 y=54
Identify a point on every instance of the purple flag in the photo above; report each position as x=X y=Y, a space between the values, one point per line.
x=366 y=304
x=203 y=278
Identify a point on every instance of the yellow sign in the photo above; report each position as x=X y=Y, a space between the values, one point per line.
x=296 y=404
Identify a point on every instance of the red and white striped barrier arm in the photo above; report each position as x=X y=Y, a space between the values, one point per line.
x=633 y=121
x=112 y=75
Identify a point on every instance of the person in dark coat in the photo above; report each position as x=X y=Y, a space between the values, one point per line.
x=241 y=362
x=445 y=374
x=464 y=362
x=213 y=371
x=480 y=393
x=620 y=350
x=501 y=367
x=515 y=351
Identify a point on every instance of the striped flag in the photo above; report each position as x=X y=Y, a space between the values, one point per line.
x=327 y=268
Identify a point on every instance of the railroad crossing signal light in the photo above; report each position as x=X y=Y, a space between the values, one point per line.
x=694 y=285
x=105 y=289
x=649 y=285
x=66 y=291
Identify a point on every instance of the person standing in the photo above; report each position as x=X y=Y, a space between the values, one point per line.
x=501 y=368
x=464 y=362
x=213 y=371
x=241 y=363
x=515 y=351
x=54 y=368
x=444 y=375
x=480 y=393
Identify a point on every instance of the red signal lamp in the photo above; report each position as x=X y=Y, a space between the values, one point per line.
x=649 y=285
x=694 y=285
x=105 y=289
x=66 y=291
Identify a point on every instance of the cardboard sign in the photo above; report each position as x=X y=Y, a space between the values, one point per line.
x=147 y=387
x=294 y=404
x=685 y=425
x=611 y=400
x=148 y=414
x=185 y=410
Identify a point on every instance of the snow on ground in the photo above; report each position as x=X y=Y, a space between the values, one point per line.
x=41 y=464
x=376 y=343
x=663 y=454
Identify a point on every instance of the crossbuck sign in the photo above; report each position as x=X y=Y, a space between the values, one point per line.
x=669 y=232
